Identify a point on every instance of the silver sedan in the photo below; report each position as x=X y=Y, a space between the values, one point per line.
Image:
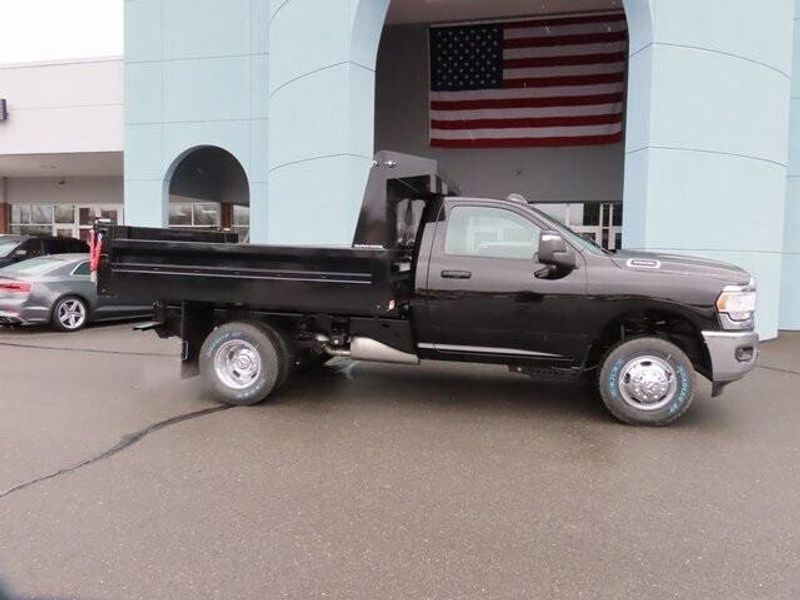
x=57 y=289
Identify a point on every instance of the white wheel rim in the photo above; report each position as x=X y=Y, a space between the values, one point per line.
x=71 y=314
x=648 y=383
x=237 y=364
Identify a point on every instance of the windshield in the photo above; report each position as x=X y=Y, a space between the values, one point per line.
x=7 y=246
x=575 y=238
x=34 y=266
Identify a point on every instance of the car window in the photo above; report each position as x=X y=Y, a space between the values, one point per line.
x=34 y=247
x=82 y=269
x=8 y=246
x=34 y=266
x=490 y=232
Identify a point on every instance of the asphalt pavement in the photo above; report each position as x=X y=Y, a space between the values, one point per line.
x=121 y=481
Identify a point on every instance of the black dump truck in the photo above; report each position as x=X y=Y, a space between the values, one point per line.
x=433 y=275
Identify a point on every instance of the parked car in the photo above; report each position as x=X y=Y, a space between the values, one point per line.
x=57 y=289
x=14 y=248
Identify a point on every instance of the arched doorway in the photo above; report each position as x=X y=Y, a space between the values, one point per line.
x=513 y=97
x=208 y=189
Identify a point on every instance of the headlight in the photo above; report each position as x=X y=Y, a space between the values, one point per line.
x=737 y=306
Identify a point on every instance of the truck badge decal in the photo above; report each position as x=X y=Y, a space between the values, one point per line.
x=643 y=263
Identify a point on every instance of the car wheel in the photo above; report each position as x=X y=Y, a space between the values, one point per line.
x=647 y=381
x=243 y=363
x=70 y=314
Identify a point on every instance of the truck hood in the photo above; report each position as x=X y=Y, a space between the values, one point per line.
x=675 y=264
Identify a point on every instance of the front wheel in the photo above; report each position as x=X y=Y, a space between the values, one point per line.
x=70 y=314
x=647 y=381
x=243 y=363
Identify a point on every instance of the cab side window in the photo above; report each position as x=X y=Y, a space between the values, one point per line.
x=490 y=232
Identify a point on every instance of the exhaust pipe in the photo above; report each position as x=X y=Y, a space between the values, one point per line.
x=367 y=349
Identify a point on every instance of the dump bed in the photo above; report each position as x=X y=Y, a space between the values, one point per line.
x=176 y=266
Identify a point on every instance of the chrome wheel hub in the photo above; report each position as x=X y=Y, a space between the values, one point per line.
x=71 y=314
x=237 y=364
x=648 y=382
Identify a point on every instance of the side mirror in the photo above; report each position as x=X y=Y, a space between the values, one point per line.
x=20 y=253
x=554 y=252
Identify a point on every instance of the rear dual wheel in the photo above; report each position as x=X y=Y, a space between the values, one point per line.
x=245 y=362
x=647 y=381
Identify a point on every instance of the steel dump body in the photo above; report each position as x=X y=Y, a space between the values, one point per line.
x=208 y=267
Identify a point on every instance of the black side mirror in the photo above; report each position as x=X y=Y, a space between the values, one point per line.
x=554 y=252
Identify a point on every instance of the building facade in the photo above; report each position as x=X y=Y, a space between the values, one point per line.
x=271 y=110
x=61 y=145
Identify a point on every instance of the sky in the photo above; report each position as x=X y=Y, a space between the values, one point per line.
x=35 y=30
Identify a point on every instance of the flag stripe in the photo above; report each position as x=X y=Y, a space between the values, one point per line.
x=525 y=102
x=572 y=59
x=539 y=30
x=564 y=50
x=587 y=140
x=529 y=92
x=527 y=132
x=527 y=113
x=556 y=22
x=577 y=39
x=604 y=119
x=577 y=80
x=563 y=71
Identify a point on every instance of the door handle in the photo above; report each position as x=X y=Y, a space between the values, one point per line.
x=456 y=274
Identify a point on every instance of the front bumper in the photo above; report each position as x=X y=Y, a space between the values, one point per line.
x=733 y=355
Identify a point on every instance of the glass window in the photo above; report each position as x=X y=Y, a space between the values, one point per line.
x=65 y=214
x=7 y=246
x=206 y=215
x=34 y=247
x=41 y=214
x=83 y=269
x=180 y=214
x=21 y=214
x=490 y=232
x=241 y=215
x=110 y=214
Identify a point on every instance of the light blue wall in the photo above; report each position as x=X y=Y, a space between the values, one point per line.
x=196 y=74
x=322 y=90
x=707 y=129
x=790 y=289
x=707 y=134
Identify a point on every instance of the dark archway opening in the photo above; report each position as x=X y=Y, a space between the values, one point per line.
x=209 y=190
x=549 y=51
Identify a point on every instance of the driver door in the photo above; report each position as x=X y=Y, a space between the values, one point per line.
x=483 y=296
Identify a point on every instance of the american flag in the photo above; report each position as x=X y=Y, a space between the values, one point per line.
x=547 y=82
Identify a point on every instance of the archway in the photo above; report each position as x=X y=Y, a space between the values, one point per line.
x=565 y=64
x=208 y=188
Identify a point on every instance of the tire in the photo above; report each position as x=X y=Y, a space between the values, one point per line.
x=666 y=385
x=242 y=363
x=70 y=314
x=286 y=352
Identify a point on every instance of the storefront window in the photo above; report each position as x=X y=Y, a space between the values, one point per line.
x=60 y=219
x=65 y=214
x=202 y=215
